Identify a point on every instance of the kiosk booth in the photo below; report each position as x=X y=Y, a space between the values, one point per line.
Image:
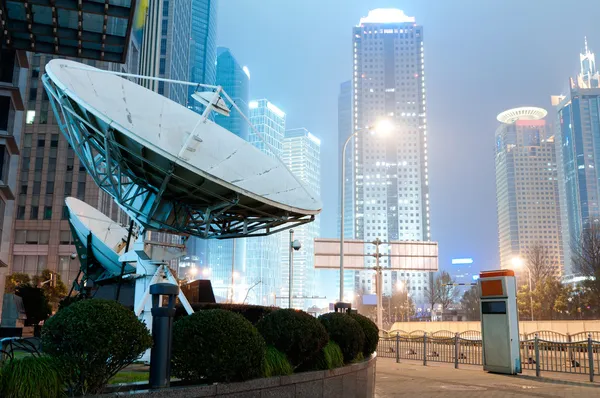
x=499 y=322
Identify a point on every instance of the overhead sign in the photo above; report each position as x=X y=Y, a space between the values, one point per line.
x=401 y=255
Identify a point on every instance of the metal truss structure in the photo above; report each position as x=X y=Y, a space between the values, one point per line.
x=160 y=194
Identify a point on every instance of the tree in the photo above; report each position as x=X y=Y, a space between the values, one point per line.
x=448 y=293
x=470 y=303
x=549 y=300
x=402 y=306
x=55 y=290
x=586 y=262
x=35 y=302
x=442 y=291
x=540 y=265
x=14 y=280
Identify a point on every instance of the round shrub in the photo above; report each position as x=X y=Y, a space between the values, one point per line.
x=216 y=346
x=346 y=332
x=371 y=333
x=295 y=333
x=93 y=340
x=31 y=376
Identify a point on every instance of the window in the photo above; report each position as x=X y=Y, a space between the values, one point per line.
x=34 y=212
x=30 y=117
x=65 y=237
x=47 y=212
x=21 y=213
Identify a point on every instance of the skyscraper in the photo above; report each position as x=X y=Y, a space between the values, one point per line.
x=235 y=80
x=390 y=173
x=263 y=259
x=302 y=156
x=578 y=147
x=527 y=189
x=13 y=80
x=165 y=50
x=203 y=45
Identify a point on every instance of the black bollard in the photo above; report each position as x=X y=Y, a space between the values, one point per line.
x=162 y=334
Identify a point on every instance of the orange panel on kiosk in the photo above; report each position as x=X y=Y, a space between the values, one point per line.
x=492 y=288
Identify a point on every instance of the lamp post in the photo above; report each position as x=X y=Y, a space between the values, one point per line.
x=518 y=262
x=294 y=245
x=384 y=126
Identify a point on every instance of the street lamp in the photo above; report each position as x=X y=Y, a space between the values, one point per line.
x=384 y=126
x=518 y=262
x=294 y=245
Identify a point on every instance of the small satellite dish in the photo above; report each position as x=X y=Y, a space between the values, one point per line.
x=206 y=97
x=108 y=238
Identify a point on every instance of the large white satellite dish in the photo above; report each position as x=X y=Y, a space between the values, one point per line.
x=105 y=239
x=170 y=168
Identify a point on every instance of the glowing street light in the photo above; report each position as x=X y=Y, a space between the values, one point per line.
x=518 y=262
x=193 y=271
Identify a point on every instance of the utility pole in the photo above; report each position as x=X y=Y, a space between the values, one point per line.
x=379 y=284
x=291 y=264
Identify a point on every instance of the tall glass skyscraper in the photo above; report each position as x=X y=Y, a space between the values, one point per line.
x=390 y=173
x=235 y=80
x=203 y=45
x=578 y=147
x=227 y=256
x=527 y=188
x=302 y=156
x=263 y=258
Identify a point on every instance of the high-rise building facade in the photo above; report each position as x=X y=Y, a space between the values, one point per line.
x=302 y=156
x=227 y=256
x=390 y=173
x=578 y=147
x=263 y=259
x=235 y=80
x=527 y=196
x=13 y=91
x=203 y=45
x=165 y=50
x=49 y=172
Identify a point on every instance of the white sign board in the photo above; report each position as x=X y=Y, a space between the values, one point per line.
x=401 y=255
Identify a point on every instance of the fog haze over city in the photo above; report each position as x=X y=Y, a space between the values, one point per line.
x=481 y=58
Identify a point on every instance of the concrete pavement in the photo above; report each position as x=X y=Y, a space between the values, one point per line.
x=412 y=379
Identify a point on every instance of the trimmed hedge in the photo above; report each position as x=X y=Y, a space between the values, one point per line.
x=92 y=340
x=253 y=313
x=346 y=332
x=295 y=333
x=371 y=333
x=216 y=346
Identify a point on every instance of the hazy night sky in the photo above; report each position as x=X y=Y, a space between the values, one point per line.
x=481 y=58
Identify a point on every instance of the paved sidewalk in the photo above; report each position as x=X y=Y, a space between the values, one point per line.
x=411 y=379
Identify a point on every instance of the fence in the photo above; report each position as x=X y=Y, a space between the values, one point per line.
x=566 y=353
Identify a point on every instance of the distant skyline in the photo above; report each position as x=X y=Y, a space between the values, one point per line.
x=481 y=59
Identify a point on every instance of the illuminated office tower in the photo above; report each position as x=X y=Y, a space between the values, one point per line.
x=203 y=45
x=390 y=173
x=578 y=153
x=228 y=255
x=527 y=189
x=263 y=258
x=302 y=156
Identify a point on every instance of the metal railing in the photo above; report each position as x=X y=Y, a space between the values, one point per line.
x=9 y=346
x=573 y=354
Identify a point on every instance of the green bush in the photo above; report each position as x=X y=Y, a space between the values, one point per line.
x=67 y=301
x=276 y=363
x=295 y=333
x=93 y=340
x=346 y=332
x=330 y=357
x=216 y=346
x=31 y=376
x=371 y=333
x=253 y=313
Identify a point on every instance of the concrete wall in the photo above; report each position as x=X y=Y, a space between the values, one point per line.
x=563 y=327
x=353 y=381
